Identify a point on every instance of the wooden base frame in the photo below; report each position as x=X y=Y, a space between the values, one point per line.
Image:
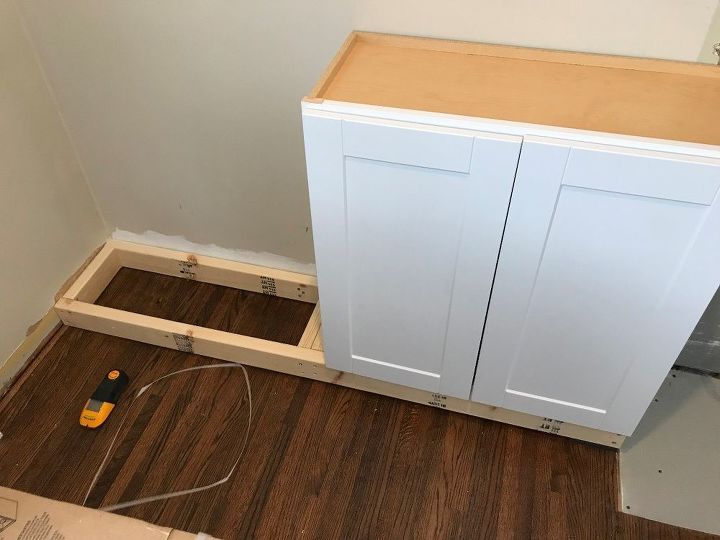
x=305 y=359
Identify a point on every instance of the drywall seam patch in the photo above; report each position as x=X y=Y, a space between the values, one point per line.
x=180 y=243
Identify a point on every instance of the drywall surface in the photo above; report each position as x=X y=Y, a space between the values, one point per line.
x=178 y=243
x=707 y=53
x=186 y=113
x=48 y=221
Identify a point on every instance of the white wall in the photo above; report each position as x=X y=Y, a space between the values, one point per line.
x=186 y=112
x=48 y=221
x=707 y=54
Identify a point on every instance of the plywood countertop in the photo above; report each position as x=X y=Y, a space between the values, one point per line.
x=630 y=96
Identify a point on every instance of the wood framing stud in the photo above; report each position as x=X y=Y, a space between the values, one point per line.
x=312 y=330
x=233 y=274
x=317 y=343
x=306 y=359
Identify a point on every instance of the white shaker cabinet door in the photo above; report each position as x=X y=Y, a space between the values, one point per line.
x=407 y=222
x=608 y=260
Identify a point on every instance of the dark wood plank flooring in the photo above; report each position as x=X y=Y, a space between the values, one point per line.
x=322 y=461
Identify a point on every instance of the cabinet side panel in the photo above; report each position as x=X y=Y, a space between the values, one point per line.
x=324 y=159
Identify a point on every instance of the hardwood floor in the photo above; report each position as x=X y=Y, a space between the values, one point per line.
x=322 y=461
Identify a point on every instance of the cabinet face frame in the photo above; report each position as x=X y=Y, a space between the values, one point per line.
x=306 y=359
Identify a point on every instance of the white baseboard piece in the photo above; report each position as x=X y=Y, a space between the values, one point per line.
x=305 y=359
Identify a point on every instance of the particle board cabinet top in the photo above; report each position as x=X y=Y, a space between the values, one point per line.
x=659 y=99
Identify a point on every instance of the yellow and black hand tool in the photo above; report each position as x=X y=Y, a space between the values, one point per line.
x=102 y=402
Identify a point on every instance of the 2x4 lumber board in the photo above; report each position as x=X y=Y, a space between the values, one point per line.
x=292 y=360
x=311 y=330
x=186 y=337
x=317 y=343
x=96 y=276
x=629 y=96
x=223 y=272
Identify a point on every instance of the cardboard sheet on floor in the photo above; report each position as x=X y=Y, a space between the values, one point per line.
x=29 y=517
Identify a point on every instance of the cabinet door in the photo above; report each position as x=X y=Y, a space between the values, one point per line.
x=407 y=221
x=609 y=257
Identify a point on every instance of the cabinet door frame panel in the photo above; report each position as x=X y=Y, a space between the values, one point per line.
x=484 y=162
x=542 y=173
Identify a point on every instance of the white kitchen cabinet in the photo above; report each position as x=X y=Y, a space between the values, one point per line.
x=407 y=222
x=596 y=180
x=608 y=260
